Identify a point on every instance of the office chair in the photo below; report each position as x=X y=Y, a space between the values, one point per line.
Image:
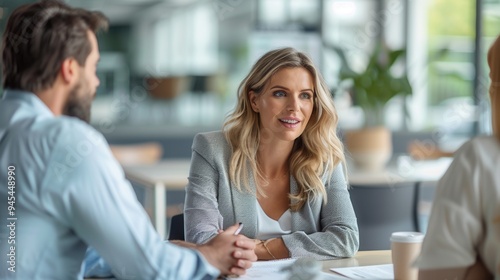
x=383 y=209
x=176 y=228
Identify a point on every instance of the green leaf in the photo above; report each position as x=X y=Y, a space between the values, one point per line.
x=376 y=85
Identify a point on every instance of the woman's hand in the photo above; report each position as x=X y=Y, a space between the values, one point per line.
x=231 y=254
x=271 y=249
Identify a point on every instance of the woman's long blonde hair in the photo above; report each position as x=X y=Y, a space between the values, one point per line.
x=316 y=151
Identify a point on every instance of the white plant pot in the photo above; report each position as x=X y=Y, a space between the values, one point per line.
x=370 y=148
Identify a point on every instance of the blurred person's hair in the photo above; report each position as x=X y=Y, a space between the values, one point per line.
x=494 y=63
x=316 y=152
x=39 y=37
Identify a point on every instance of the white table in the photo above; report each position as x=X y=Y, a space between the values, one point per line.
x=362 y=258
x=172 y=175
x=162 y=176
x=406 y=170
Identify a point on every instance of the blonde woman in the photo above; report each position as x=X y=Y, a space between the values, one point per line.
x=277 y=167
x=463 y=237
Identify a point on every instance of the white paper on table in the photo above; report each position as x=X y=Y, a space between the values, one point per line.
x=274 y=270
x=268 y=270
x=384 y=271
x=331 y=276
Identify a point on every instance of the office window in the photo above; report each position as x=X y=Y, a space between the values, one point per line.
x=355 y=26
x=182 y=42
x=453 y=110
x=299 y=14
x=440 y=65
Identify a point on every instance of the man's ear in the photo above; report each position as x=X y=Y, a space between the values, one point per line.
x=69 y=70
x=252 y=96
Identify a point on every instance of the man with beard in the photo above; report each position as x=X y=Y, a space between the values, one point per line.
x=61 y=190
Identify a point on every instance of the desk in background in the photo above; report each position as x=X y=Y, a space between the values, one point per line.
x=405 y=170
x=172 y=175
x=160 y=177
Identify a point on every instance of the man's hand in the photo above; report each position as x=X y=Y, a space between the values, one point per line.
x=231 y=254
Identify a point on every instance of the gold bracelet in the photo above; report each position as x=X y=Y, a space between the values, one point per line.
x=267 y=249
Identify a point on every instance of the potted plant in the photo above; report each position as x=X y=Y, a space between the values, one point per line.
x=370 y=147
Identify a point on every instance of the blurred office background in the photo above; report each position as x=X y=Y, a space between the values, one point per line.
x=171 y=68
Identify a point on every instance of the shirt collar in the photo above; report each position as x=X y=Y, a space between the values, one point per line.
x=29 y=98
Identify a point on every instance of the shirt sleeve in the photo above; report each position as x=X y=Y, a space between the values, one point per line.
x=89 y=191
x=94 y=265
x=338 y=236
x=201 y=207
x=455 y=225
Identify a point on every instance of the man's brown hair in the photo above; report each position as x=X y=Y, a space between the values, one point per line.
x=39 y=37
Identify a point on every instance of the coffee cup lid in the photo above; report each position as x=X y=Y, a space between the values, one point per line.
x=407 y=237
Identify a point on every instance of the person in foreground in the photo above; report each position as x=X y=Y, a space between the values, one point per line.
x=61 y=189
x=277 y=167
x=462 y=240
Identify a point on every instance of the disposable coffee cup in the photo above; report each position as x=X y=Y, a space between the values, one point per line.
x=405 y=248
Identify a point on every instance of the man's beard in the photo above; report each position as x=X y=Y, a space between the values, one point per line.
x=79 y=106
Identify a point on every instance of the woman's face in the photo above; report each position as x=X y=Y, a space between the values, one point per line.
x=286 y=104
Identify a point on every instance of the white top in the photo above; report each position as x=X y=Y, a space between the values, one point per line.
x=268 y=228
x=465 y=218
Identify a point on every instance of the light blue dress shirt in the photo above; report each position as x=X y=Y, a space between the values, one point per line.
x=70 y=193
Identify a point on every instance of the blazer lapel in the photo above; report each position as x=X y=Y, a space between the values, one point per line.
x=245 y=211
x=304 y=219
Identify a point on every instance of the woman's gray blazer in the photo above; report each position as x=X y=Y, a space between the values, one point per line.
x=321 y=231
